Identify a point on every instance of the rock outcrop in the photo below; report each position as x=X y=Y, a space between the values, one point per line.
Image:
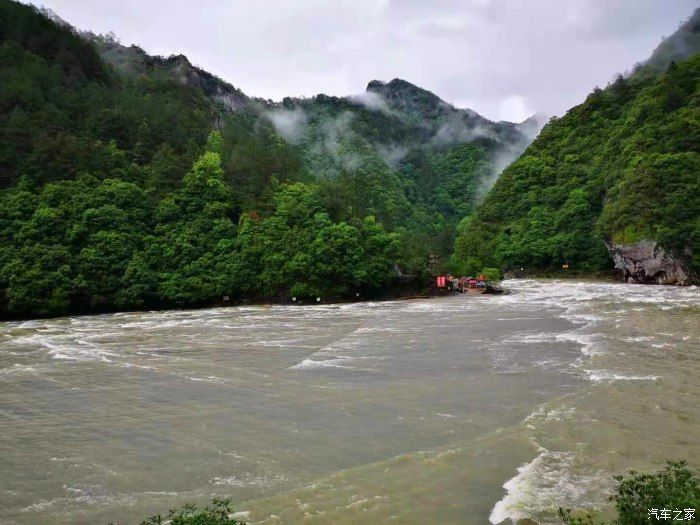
x=645 y=262
x=132 y=60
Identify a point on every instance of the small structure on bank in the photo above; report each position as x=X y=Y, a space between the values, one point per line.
x=449 y=284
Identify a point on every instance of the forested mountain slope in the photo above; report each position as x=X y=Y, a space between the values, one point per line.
x=129 y=181
x=618 y=175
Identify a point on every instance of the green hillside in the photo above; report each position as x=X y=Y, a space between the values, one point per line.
x=622 y=167
x=130 y=181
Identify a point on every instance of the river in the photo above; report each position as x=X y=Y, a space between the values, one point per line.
x=464 y=409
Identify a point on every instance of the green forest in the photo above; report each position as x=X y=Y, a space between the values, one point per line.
x=621 y=167
x=136 y=182
x=124 y=187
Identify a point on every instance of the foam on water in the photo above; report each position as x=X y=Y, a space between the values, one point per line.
x=560 y=478
x=65 y=346
x=83 y=494
x=637 y=339
x=18 y=369
x=607 y=375
x=248 y=480
x=311 y=364
x=577 y=351
x=545 y=413
x=341 y=354
x=550 y=481
x=589 y=342
x=573 y=295
x=280 y=343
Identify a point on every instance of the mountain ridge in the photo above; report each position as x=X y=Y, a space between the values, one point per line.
x=129 y=181
x=680 y=45
x=613 y=180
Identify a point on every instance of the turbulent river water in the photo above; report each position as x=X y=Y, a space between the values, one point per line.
x=465 y=409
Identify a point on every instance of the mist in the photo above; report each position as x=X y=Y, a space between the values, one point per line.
x=392 y=154
x=290 y=123
x=475 y=53
x=507 y=153
x=372 y=101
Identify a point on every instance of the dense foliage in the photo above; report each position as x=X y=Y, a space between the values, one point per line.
x=649 y=498
x=621 y=167
x=127 y=181
x=219 y=512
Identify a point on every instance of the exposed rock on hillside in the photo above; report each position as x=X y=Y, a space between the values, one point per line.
x=645 y=262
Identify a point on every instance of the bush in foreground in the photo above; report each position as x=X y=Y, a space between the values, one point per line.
x=220 y=512
x=641 y=498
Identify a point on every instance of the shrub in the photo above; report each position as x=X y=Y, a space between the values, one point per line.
x=220 y=512
x=491 y=274
x=675 y=487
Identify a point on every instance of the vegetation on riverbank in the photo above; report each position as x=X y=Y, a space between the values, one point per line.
x=126 y=185
x=133 y=190
x=220 y=512
x=639 y=498
x=621 y=167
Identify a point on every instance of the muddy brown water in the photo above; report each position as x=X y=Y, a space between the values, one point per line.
x=465 y=409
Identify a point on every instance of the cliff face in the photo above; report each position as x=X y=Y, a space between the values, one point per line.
x=645 y=262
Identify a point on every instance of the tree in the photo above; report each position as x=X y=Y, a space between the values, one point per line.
x=639 y=496
x=194 y=231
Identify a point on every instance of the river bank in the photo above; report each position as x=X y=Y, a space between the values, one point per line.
x=403 y=289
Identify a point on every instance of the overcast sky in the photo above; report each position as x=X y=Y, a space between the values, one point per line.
x=506 y=59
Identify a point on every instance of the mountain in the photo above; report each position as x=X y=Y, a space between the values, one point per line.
x=421 y=115
x=680 y=46
x=134 y=61
x=613 y=182
x=448 y=124
x=428 y=115
x=132 y=181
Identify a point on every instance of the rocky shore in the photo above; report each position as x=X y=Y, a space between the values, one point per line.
x=645 y=262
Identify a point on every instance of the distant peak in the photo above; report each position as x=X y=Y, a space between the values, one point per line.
x=534 y=119
x=397 y=84
x=179 y=60
x=532 y=125
x=402 y=94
